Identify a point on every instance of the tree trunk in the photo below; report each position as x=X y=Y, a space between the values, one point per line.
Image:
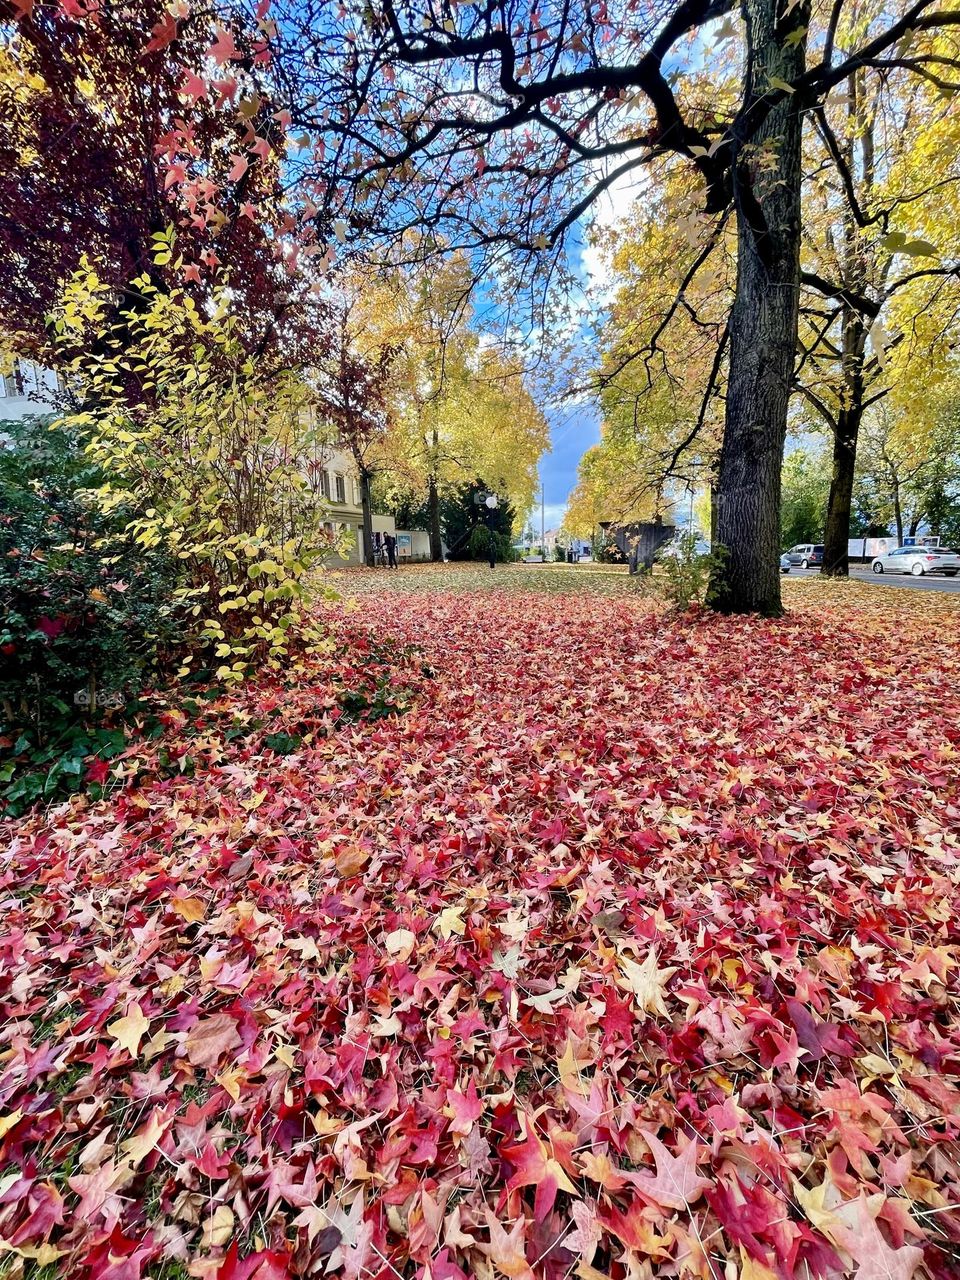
x=836 y=540
x=367 y=516
x=853 y=349
x=897 y=509
x=433 y=511
x=763 y=320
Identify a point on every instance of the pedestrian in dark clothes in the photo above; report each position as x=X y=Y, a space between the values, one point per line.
x=391 y=542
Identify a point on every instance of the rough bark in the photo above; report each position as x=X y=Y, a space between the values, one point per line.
x=763 y=321
x=897 y=508
x=433 y=512
x=836 y=539
x=367 y=512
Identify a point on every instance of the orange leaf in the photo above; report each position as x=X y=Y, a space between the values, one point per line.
x=192 y=909
x=351 y=861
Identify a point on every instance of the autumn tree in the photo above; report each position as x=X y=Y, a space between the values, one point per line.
x=881 y=262
x=110 y=137
x=499 y=126
x=662 y=337
x=806 y=477
x=877 y=302
x=909 y=474
x=214 y=456
x=354 y=385
x=460 y=402
x=496 y=128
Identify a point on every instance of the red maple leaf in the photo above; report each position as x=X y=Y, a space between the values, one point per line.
x=535 y=1166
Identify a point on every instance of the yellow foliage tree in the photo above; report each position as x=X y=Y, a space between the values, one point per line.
x=460 y=406
x=217 y=459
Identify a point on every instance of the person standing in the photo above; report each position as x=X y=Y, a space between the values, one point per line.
x=391 y=541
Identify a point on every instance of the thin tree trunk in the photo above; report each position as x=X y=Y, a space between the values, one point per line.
x=836 y=540
x=763 y=321
x=367 y=516
x=897 y=509
x=433 y=511
x=853 y=344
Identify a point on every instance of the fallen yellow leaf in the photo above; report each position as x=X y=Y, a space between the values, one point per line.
x=129 y=1030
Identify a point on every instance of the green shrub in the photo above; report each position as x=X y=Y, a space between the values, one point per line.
x=479 y=545
x=84 y=613
x=685 y=571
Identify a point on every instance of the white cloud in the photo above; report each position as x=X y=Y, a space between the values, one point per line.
x=610 y=209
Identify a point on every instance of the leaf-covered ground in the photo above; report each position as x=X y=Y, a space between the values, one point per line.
x=558 y=937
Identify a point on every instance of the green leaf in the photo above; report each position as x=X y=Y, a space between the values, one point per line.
x=920 y=249
x=776 y=83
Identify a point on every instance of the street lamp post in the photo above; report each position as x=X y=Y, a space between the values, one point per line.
x=488 y=503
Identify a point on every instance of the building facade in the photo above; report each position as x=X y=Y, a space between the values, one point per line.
x=340 y=490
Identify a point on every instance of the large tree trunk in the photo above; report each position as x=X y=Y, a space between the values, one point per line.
x=367 y=514
x=433 y=511
x=836 y=539
x=763 y=321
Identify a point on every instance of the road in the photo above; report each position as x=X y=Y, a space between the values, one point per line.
x=929 y=582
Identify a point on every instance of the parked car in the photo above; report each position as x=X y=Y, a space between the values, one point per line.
x=807 y=555
x=918 y=561
x=785 y=563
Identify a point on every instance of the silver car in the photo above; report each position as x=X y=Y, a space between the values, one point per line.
x=918 y=561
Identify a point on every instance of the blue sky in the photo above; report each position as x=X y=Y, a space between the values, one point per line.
x=575 y=427
x=572 y=431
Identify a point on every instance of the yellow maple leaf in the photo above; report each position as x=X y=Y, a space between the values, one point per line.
x=569 y=1069
x=129 y=1030
x=137 y=1148
x=230 y=1080
x=646 y=981
x=449 y=922
x=218 y=1228
x=192 y=909
x=7 y=1122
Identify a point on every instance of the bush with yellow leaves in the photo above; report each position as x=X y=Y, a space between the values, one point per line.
x=218 y=457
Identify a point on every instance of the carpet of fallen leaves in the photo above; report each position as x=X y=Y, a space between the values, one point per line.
x=602 y=942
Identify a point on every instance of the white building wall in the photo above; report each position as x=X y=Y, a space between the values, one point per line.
x=26 y=390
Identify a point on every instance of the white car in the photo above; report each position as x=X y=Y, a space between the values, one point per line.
x=918 y=561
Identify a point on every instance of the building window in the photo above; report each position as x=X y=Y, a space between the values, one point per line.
x=13 y=381
x=29 y=377
x=357 y=498
x=325 y=484
x=341 y=488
